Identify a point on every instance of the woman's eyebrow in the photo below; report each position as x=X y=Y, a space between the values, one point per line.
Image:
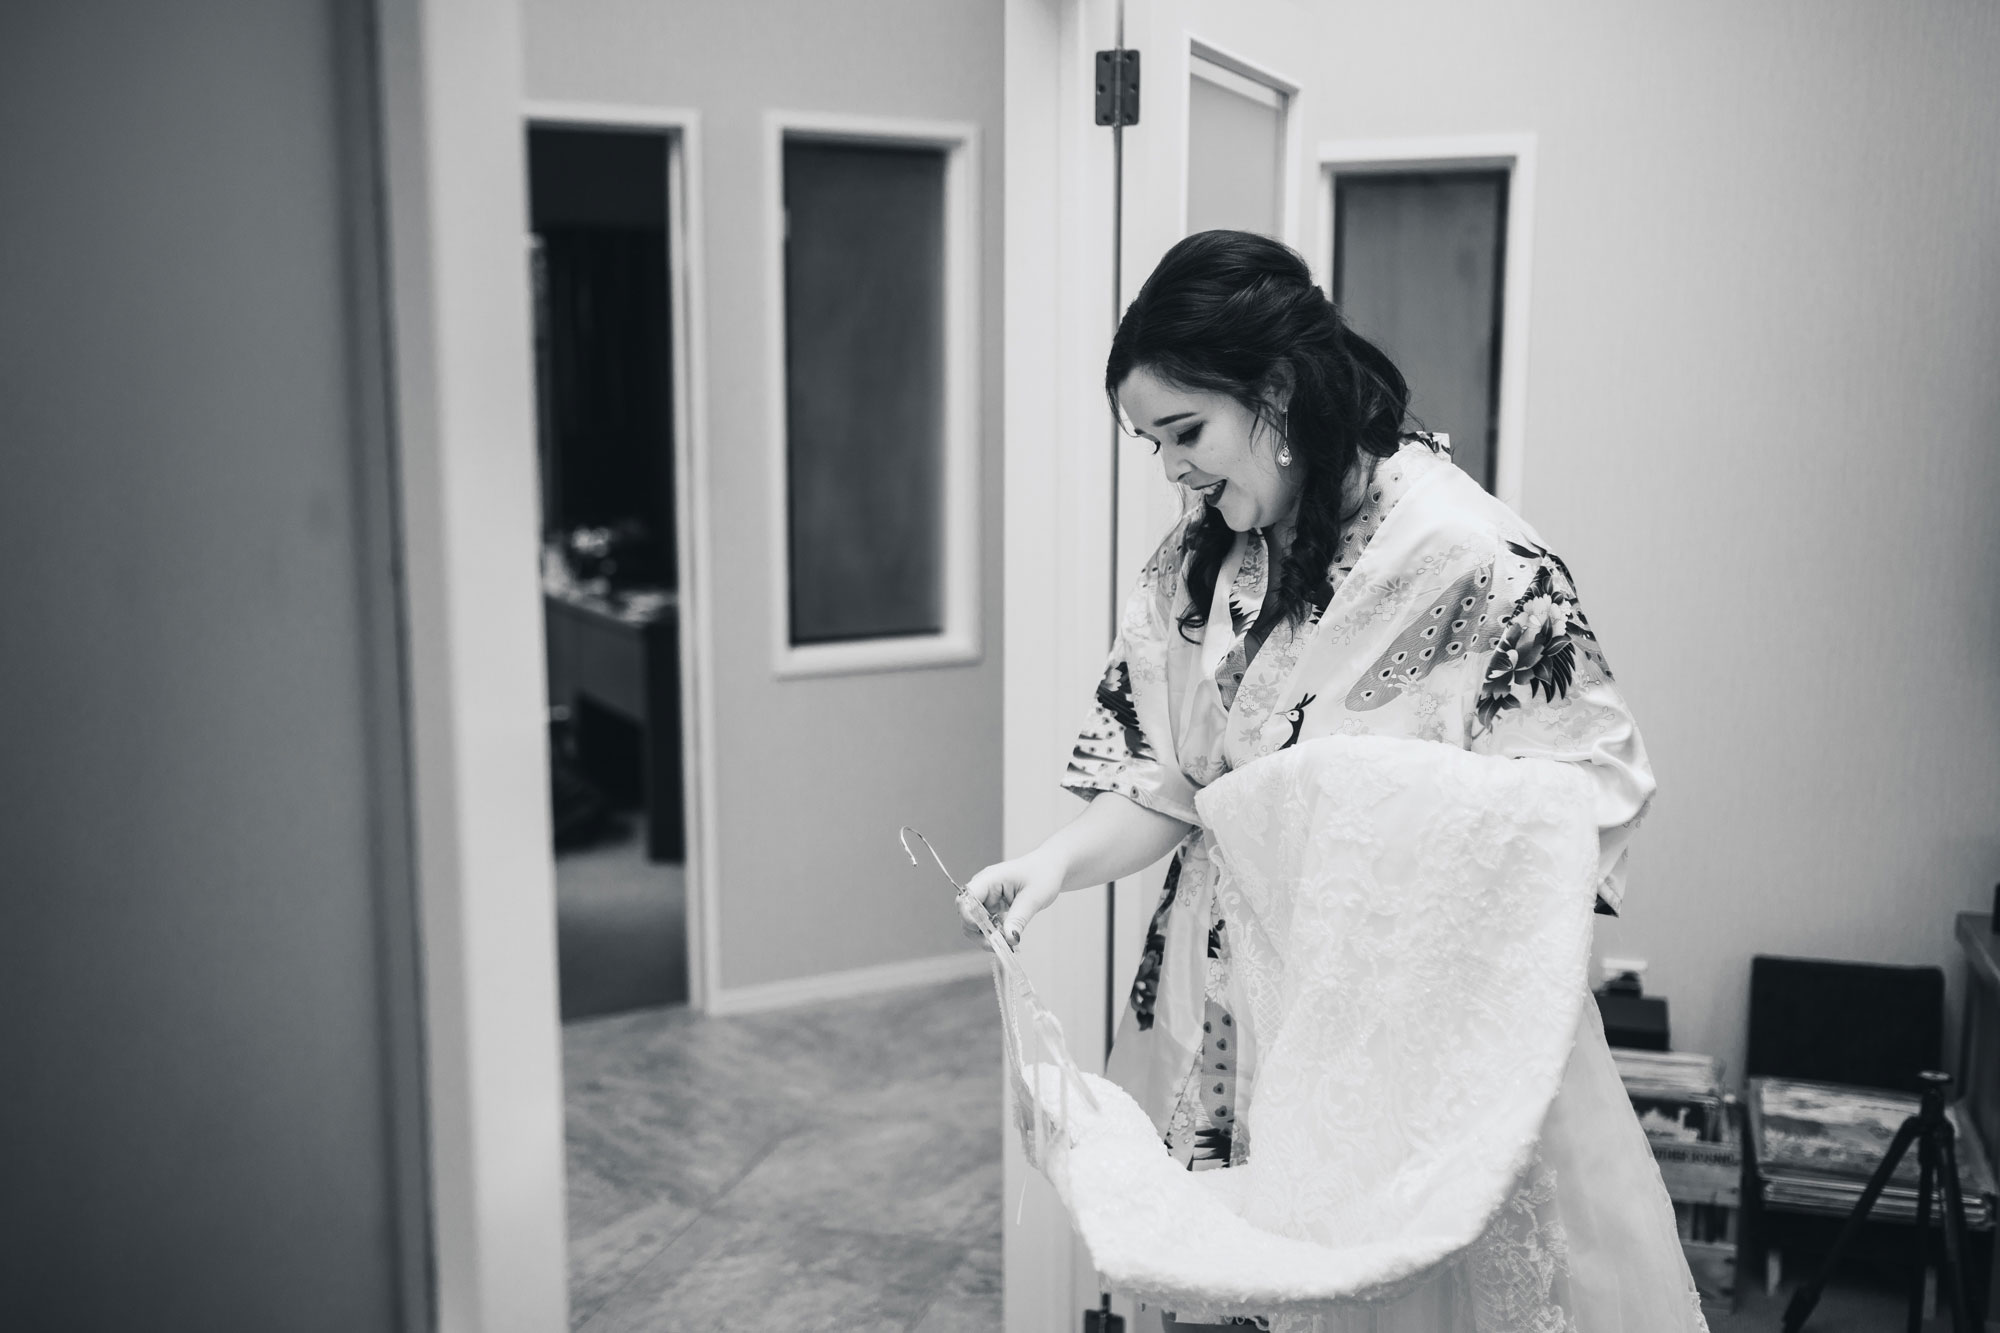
x=1171 y=417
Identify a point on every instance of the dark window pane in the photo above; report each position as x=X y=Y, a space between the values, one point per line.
x=1418 y=268
x=864 y=367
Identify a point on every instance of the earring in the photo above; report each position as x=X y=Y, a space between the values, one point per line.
x=1285 y=456
x=1284 y=433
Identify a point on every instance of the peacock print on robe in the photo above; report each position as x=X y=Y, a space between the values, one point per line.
x=1444 y=619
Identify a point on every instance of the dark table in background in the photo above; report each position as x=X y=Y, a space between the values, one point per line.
x=626 y=663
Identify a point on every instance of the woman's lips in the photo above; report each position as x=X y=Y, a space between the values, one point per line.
x=1212 y=492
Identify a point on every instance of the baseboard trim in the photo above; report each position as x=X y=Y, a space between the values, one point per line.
x=725 y=1001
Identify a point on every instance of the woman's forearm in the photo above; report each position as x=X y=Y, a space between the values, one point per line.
x=1112 y=838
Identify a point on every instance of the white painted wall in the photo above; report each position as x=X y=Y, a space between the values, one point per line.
x=1764 y=430
x=813 y=775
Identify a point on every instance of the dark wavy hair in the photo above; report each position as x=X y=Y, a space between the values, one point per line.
x=1235 y=313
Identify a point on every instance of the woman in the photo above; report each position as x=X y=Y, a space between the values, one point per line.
x=1332 y=575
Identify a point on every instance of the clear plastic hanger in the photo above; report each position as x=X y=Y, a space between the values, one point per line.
x=1033 y=1046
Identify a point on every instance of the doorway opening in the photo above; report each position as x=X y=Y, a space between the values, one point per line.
x=603 y=257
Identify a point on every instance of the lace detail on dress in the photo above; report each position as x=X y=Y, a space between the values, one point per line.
x=1443 y=1143
x=1518 y=1271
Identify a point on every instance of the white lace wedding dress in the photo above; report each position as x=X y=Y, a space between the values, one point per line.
x=1437 y=1140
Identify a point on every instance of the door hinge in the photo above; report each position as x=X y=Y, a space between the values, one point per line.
x=1118 y=87
x=1103 y=1321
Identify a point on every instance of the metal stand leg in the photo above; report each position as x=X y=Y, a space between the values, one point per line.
x=1933 y=1134
x=1954 y=1228
x=1926 y=1177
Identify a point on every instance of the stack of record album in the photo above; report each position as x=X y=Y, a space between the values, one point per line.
x=1678 y=1095
x=1817 y=1144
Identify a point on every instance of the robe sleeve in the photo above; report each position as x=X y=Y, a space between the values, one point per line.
x=1547 y=692
x=1124 y=746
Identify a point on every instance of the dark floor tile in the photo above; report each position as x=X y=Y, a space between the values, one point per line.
x=840 y=1164
x=970 y=1298
x=909 y=1176
x=962 y=1099
x=1850 y=1305
x=603 y=1261
x=681 y=1141
x=970 y=1301
x=597 y=1202
x=732 y=1272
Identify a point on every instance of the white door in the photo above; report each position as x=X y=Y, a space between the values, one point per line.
x=1236 y=129
x=1427 y=236
x=1219 y=143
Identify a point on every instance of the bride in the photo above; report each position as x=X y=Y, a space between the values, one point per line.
x=1335 y=575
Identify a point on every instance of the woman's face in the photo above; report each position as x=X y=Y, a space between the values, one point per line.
x=1216 y=447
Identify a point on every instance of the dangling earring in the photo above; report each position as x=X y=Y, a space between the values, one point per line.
x=1284 y=432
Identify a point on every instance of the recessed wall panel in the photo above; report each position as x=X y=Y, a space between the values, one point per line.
x=1419 y=268
x=864 y=370
x=1236 y=149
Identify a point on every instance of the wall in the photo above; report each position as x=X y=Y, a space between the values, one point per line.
x=197 y=1125
x=815 y=775
x=1764 y=430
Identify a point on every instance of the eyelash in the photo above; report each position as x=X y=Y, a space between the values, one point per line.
x=1187 y=437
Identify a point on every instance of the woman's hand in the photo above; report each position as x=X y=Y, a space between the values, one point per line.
x=1011 y=892
x=1112 y=838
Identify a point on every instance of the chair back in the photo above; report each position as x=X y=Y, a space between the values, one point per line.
x=1868 y=1024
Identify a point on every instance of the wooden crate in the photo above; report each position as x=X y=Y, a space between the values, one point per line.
x=1705 y=1181
x=1706 y=1173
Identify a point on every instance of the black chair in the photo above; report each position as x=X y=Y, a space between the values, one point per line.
x=1867 y=1025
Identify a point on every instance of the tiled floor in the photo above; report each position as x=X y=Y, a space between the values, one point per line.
x=835 y=1167
x=1853 y=1303
x=1847 y=1308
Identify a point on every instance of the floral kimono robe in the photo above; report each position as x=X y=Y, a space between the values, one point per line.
x=1448 y=621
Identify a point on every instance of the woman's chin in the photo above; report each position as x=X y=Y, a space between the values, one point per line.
x=1238 y=520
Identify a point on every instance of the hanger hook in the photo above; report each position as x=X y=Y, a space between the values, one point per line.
x=904 y=835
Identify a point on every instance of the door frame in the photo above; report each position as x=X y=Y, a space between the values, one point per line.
x=1058 y=489
x=446 y=98
x=1513 y=153
x=686 y=264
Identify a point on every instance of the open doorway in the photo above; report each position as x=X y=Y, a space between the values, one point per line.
x=603 y=260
